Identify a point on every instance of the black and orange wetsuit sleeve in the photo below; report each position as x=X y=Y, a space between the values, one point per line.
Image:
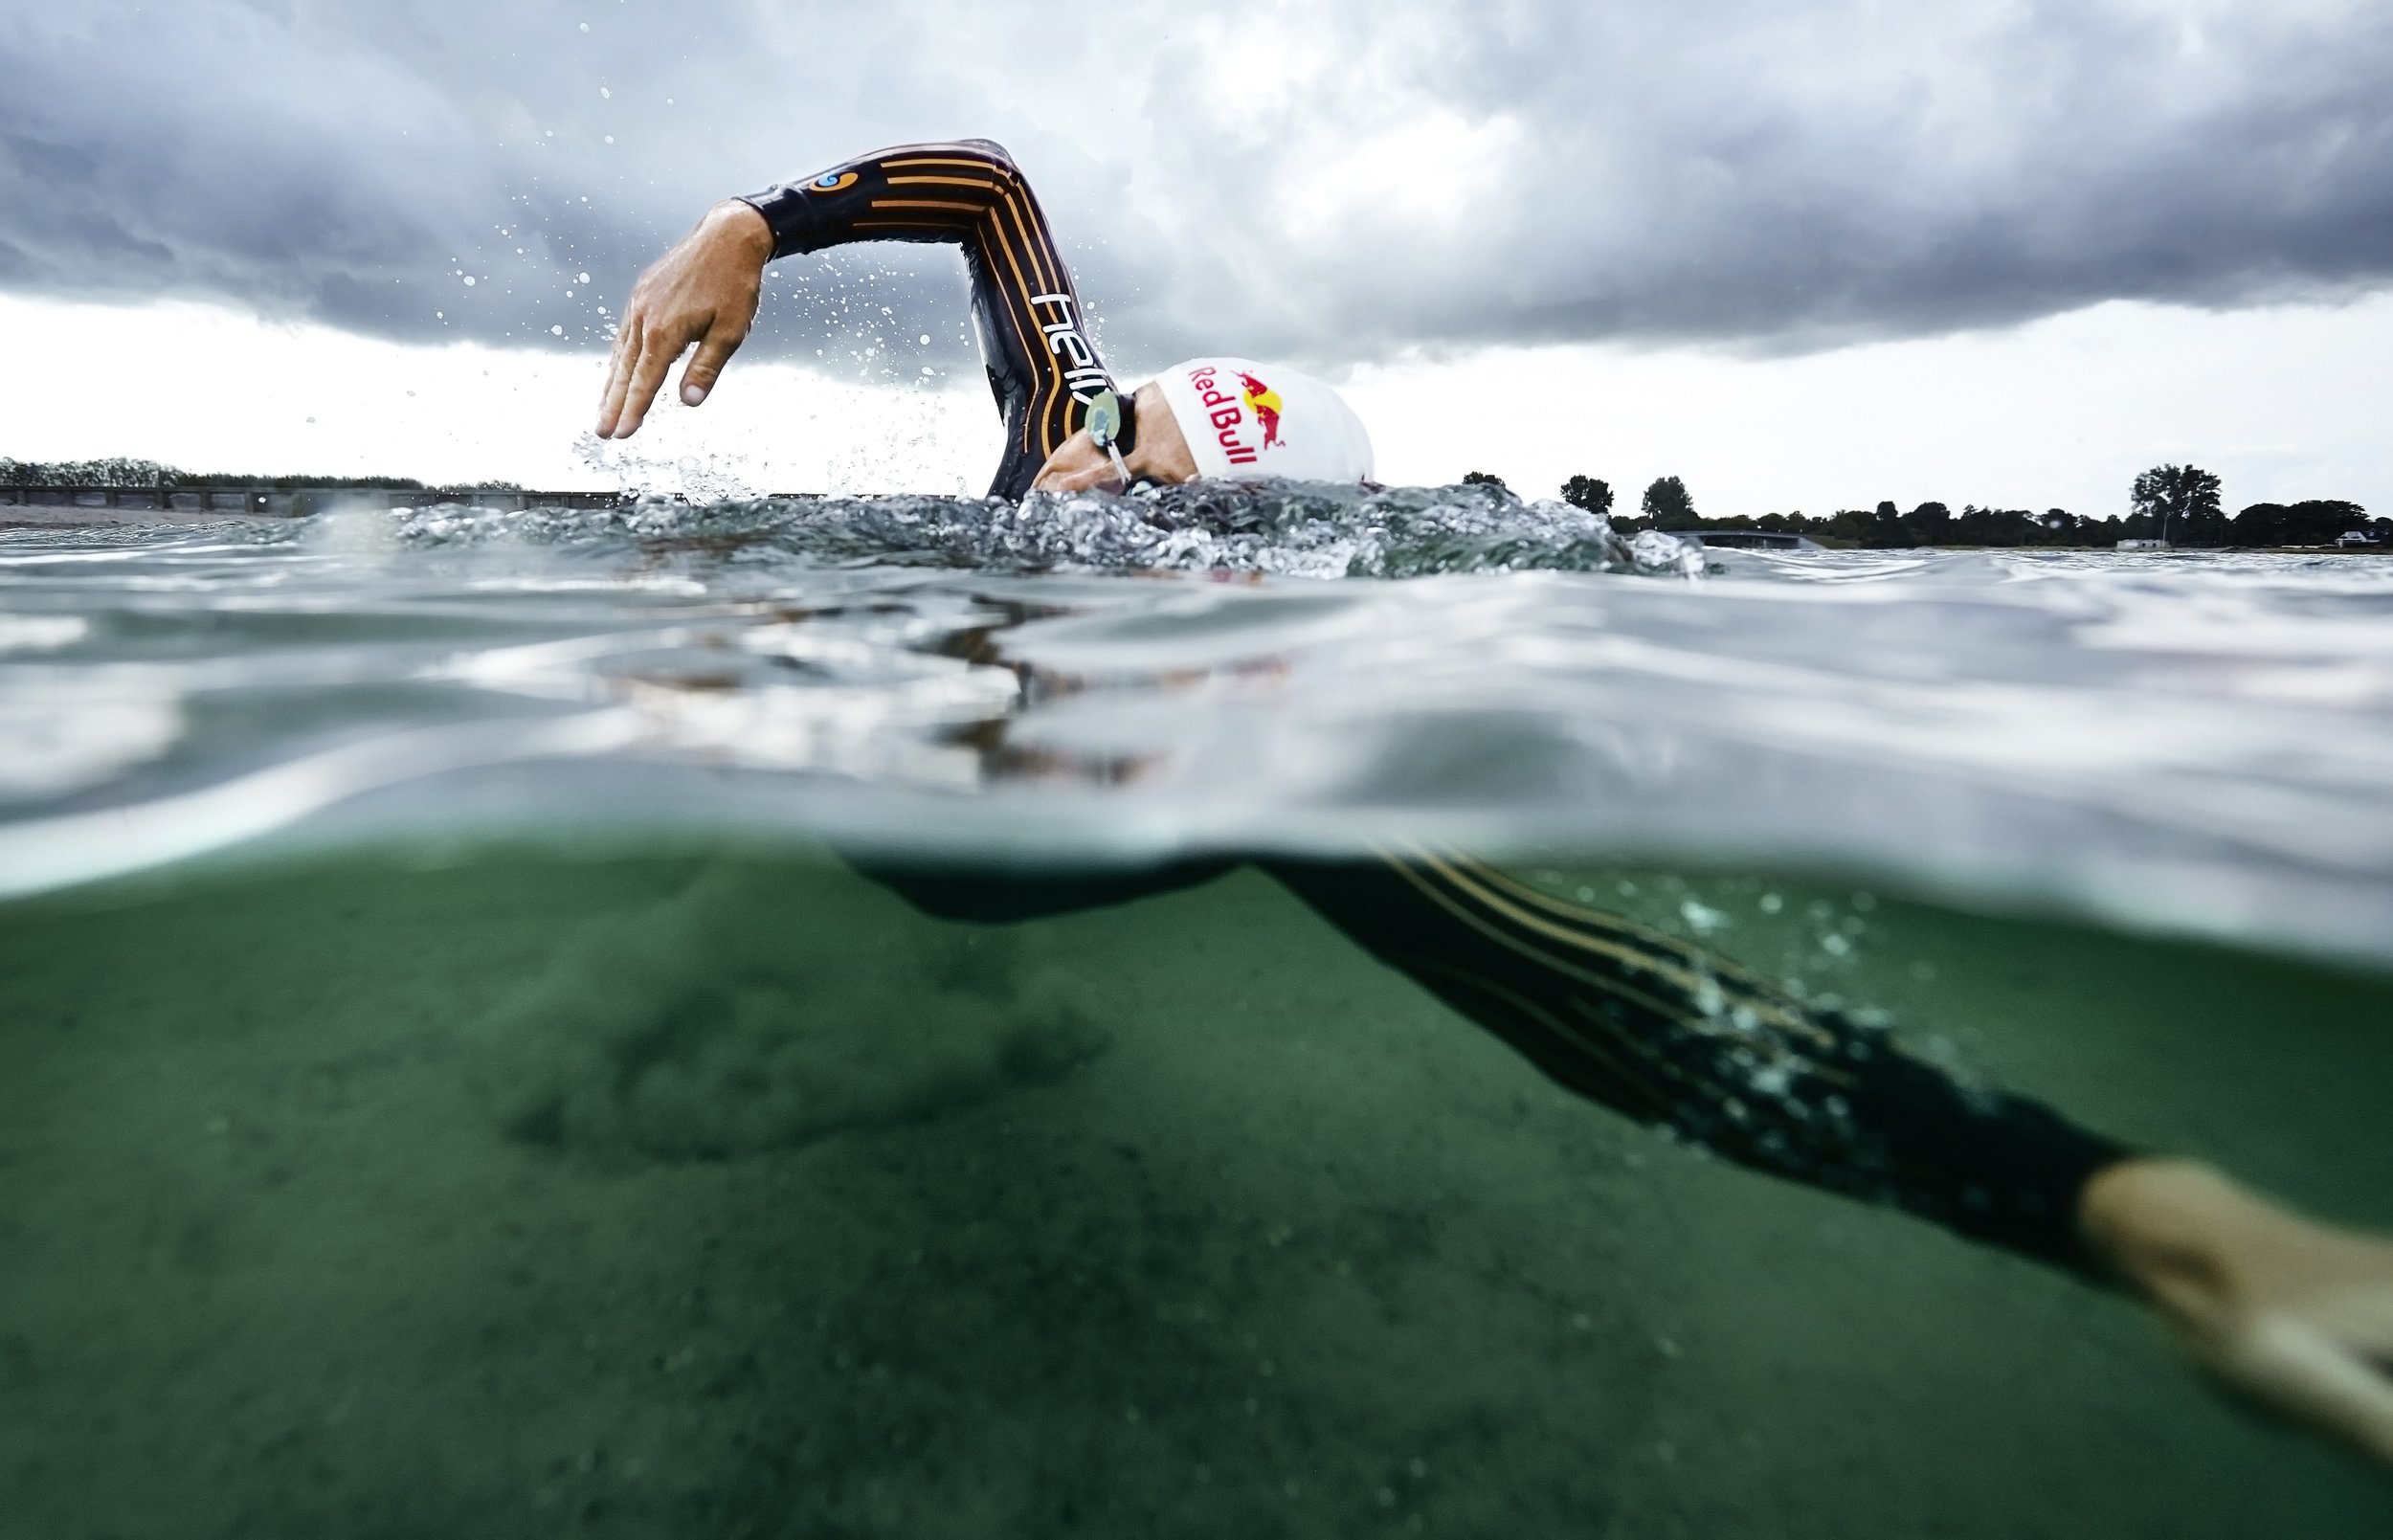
x=1669 y=1033
x=1042 y=366
x=1679 y=1036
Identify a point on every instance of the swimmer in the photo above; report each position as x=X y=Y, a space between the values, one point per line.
x=2292 y=1313
x=1217 y=417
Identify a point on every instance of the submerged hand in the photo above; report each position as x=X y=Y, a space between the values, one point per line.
x=703 y=291
x=2293 y=1314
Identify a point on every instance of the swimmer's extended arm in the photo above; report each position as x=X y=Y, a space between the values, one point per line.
x=2295 y=1315
x=1680 y=1037
x=969 y=194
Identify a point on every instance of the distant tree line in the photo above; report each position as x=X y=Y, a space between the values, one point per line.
x=2176 y=502
x=149 y=473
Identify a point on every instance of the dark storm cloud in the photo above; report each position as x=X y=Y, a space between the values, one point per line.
x=1333 y=181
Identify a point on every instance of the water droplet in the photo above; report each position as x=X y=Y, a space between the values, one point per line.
x=610 y=140
x=926 y=339
x=585 y=26
x=469 y=280
x=557 y=331
x=581 y=277
x=605 y=94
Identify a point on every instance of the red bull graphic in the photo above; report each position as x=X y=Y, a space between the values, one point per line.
x=1227 y=411
x=1264 y=403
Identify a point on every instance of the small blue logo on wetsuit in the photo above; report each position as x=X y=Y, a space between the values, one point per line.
x=832 y=182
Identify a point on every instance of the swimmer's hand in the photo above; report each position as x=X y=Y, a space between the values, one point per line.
x=703 y=291
x=1162 y=455
x=2294 y=1315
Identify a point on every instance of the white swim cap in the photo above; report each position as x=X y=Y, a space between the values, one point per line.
x=1244 y=418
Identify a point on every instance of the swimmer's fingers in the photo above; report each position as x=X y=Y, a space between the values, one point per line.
x=1077 y=465
x=722 y=339
x=618 y=383
x=1100 y=478
x=2295 y=1315
x=2306 y=1330
x=657 y=349
x=2316 y=1376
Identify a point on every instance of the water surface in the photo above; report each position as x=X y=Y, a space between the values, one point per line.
x=452 y=1081
x=2186 y=742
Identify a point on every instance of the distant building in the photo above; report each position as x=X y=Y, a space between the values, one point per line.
x=2143 y=544
x=2355 y=537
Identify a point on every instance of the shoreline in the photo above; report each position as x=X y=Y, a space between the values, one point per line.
x=70 y=516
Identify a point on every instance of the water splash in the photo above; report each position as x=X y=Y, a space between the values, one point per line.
x=1267 y=528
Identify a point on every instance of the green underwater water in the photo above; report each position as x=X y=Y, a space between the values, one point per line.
x=502 y=1190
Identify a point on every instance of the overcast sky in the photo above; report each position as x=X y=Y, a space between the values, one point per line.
x=1632 y=207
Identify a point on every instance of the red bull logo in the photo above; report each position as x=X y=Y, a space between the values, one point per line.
x=1227 y=411
x=1264 y=403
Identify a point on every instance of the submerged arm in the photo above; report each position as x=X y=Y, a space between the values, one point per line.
x=2294 y=1315
x=1680 y=1037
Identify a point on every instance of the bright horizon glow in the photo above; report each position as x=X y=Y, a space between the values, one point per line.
x=2284 y=403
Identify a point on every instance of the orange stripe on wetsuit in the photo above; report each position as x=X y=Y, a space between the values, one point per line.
x=1034 y=339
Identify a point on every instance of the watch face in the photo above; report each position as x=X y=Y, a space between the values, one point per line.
x=1104 y=418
